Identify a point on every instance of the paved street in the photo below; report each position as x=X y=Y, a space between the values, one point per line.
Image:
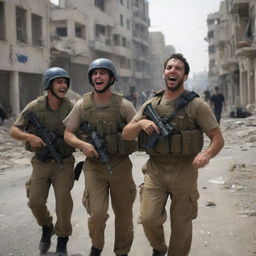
x=227 y=229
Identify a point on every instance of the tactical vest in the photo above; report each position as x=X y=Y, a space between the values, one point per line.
x=53 y=123
x=108 y=123
x=187 y=139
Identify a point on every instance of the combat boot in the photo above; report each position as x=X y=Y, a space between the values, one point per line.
x=95 y=252
x=157 y=253
x=61 y=249
x=45 y=242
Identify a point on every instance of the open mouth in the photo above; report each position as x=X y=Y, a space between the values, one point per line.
x=173 y=79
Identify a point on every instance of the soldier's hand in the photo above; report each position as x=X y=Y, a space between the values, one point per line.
x=201 y=160
x=35 y=141
x=149 y=126
x=89 y=150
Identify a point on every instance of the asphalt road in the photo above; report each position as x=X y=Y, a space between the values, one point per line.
x=219 y=230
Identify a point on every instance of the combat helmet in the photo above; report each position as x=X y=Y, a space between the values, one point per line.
x=52 y=73
x=105 y=64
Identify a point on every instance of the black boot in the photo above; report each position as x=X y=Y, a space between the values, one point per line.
x=95 y=252
x=45 y=242
x=158 y=253
x=62 y=246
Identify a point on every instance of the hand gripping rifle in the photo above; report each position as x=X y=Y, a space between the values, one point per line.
x=48 y=138
x=98 y=142
x=163 y=125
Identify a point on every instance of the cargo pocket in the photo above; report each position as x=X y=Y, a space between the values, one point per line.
x=111 y=144
x=186 y=143
x=86 y=201
x=193 y=206
x=162 y=146
x=175 y=141
x=197 y=141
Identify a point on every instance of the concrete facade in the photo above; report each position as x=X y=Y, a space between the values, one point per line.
x=36 y=35
x=24 y=50
x=232 y=51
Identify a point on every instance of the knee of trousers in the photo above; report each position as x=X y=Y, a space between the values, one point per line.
x=151 y=220
x=98 y=217
x=35 y=203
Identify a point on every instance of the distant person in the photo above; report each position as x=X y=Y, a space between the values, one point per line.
x=50 y=110
x=3 y=114
x=217 y=102
x=207 y=96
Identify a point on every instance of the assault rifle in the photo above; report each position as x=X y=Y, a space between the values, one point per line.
x=48 y=138
x=98 y=142
x=164 y=126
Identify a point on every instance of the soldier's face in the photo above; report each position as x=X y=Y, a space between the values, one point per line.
x=100 y=79
x=60 y=87
x=174 y=74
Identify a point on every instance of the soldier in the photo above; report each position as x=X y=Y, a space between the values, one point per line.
x=107 y=112
x=172 y=168
x=50 y=111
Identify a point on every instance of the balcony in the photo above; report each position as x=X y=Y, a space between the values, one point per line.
x=229 y=64
x=221 y=35
x=235 y=5
x=246 y=49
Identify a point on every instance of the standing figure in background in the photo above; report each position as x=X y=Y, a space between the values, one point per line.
x=49 y=111
x=217 y=103
x=107 y=113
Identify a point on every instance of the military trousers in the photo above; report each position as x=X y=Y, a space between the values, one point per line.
x=100 y=185
x=62 y=180
x=179 y=181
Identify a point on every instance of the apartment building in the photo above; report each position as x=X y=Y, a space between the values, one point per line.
x=113 y=29
x=24 y=50
x=159 y=52
x=232 y=51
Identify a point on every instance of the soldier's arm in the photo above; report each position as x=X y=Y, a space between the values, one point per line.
x=18 y=134
x=217 y=143
x=87 y=148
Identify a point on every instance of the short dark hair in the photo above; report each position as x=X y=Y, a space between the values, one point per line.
x=180 y=57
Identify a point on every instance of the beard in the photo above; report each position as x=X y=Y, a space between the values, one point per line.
x=103 y=89
x=176 y=88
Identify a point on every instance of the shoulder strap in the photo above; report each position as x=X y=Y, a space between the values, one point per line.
x=181 y=102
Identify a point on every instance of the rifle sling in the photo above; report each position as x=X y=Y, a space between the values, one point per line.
x=181 y=102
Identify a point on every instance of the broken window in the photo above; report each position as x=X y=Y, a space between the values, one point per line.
x=116 y=39
x=99 y=30
x=36 y=30
x=100 y=4
x=121 y=20
x=80 y=30
x=21 y=25
x=2 y=21
x=61 y=31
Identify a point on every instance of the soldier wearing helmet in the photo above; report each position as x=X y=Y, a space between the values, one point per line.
x=50 y=111
x=107 y=112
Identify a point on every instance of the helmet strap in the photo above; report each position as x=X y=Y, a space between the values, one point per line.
x=53 y=93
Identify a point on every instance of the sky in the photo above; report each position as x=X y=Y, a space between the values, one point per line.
x=183 y=23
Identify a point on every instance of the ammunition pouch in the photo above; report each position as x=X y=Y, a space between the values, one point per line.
x=185 y=143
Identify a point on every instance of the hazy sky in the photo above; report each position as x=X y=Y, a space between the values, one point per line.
x=183 y=23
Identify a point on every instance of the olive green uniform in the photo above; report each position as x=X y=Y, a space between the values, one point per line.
x=169 y=172
x=49 y=173
x=108 y=121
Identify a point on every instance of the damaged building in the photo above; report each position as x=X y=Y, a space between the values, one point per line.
x=232 y=51
x=24 y=50
x=36 y=35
